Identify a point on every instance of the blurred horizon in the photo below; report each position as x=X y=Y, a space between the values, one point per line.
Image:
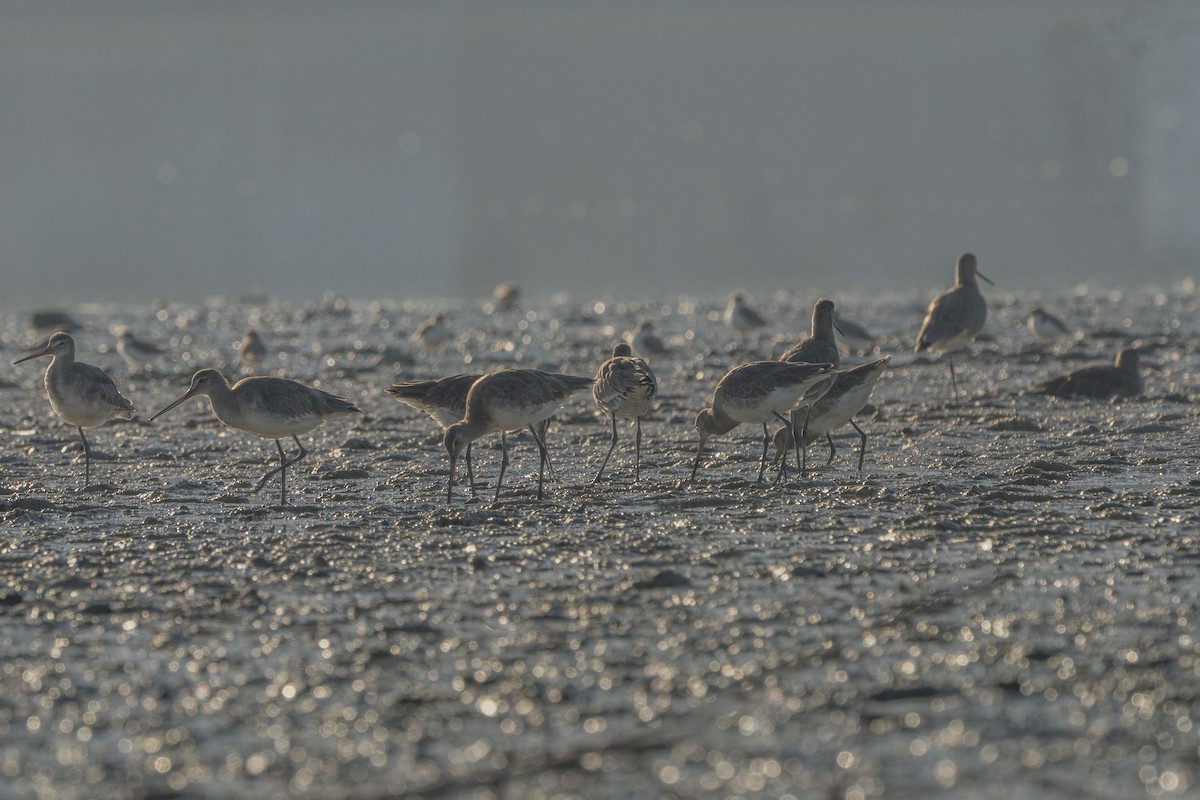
x=402 y=149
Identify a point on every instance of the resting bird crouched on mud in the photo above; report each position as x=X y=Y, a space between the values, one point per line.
x=1122 y=379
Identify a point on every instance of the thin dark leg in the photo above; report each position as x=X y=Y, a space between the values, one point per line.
x=637 y=451
x=503 y=464
x=783 y=451
x=543 y=457
x=802 y=444
x=953 y=380
x=789 y=425
x=762 y=462
x=862 y=444
x=611 y=446
x=540 y=435
x=470 y=471
x=284 y=463
x=829 y=439
x=87 y=459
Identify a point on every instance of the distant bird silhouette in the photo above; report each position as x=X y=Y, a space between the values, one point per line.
x=251 y=348
x=138 y=353
x=433 y=332
x=506 y=295
x=1046 y=326
x=645 y=341
x=739 y=315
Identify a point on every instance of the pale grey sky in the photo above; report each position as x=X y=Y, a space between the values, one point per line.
x=178 y=150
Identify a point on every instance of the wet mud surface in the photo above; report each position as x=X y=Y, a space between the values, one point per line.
x=1002 y=604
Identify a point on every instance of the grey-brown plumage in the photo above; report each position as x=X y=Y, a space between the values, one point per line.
x=80 y=394
x=956 y=316
x=820 y=346
x=625 y=388
x=508 y=400
x=444 y=400
x=1122 y=379
x=268 y=407
x=759 y=392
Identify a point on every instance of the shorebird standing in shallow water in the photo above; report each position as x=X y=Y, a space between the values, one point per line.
x=740 y=316
x=1122 y=379
x=271 y=408
x=509 y=400
x=956 y=316
x=758 y=392
x=138 y=353
x=1046 y=326
x=445 y=400
x=625 y=388
x=849 y=393
x=80 y=394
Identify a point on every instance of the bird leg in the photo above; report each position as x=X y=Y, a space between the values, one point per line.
x=543 y=456
x=637 y=457
x=284 y=463
x=862 y=444
x=953 y=380
x=87 y=459
x=802 y=443
x=611 y=446
x=829 y=438
x=762 y=461
x=503 y=465
x=782 y=461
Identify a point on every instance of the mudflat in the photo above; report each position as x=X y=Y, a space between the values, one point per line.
x=1001 y=604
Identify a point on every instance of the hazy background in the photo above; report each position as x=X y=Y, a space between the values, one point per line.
x=388 y=149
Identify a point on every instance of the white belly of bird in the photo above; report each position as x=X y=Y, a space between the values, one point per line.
x=839 y=413
x=516 y=418
x=271 y=426
x=80 y=412
x=779 y=401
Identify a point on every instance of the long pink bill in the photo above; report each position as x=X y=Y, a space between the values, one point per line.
x=186 y=395
x=43 y=352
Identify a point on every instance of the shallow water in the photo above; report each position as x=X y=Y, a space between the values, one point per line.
x=1001 y=604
